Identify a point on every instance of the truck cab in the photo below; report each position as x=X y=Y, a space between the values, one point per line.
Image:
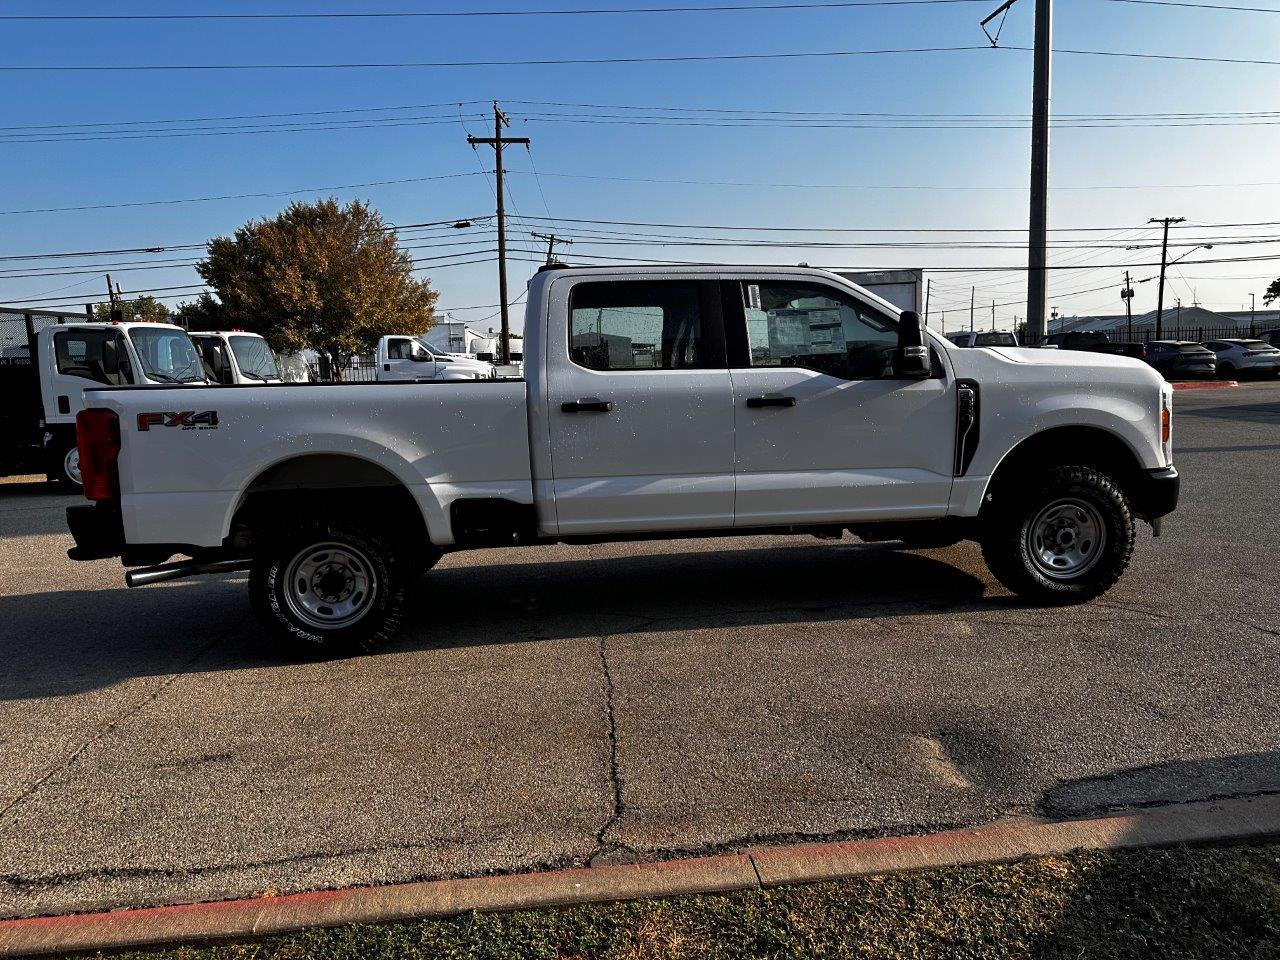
x=75 y=357
x=407 y=358
x=236 y=357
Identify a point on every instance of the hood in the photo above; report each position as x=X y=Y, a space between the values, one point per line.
x=1066 y=358
x=469 y=362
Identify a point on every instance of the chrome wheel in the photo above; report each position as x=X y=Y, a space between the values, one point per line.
x=330 y=585
x=71 y=466
x=1067 y=539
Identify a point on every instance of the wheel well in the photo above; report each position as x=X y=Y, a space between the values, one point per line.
x=325 y=486
x=1062 y=446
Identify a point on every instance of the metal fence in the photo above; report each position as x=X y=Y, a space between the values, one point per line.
x=358 y=370
x=1176 y=331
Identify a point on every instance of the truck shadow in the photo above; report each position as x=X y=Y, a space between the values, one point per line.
x=506 y=602
x=66 y=642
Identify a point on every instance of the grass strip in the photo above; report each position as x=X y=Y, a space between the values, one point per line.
x=1201 y=902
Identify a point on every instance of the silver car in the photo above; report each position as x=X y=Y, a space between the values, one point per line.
x=1245 y=357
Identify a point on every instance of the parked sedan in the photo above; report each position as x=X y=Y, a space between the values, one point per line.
x=983 y=338
x=1245 y=357
x=1181 y=358
x=1270 y=336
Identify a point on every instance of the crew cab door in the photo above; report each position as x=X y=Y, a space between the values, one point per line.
x=404 y=358
x=639 y=406
x=824 y=433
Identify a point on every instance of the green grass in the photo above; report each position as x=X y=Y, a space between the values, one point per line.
x=1221 y=902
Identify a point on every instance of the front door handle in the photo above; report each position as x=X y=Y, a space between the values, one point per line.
x=771 y=400
x=587 y=405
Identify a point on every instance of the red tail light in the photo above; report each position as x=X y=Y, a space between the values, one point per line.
x=98 y=438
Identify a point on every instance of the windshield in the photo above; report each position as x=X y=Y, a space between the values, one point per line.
x=1256 y=345
x=167 y=355
x=996 y=340
x=255 y=358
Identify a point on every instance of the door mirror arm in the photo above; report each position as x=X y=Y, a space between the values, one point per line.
x=911 y=359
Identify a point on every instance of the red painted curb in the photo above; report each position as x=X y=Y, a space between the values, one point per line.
x=1205 y=384
x=1243 y=819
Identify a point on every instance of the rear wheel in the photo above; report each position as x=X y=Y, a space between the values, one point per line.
x=329 y=590
x=64 y=467
x=1067 y=540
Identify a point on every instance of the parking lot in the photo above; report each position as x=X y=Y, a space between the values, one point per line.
x=574 y=705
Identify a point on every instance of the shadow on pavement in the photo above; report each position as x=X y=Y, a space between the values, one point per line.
x=65 y=642
x=502 y=603
x=1174 y=781
x=1170 y=902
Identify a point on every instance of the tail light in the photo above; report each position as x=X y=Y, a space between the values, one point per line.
x=98 y=439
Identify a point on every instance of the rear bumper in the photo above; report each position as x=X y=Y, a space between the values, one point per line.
x=97 y=529
x=1156 y=493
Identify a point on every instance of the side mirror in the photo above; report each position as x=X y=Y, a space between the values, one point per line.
x=110 y=359
x=912 y=360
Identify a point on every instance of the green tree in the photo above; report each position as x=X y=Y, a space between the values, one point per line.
x=140 y=308
x=203 y=313
x=1273 y=292
x=319 y=276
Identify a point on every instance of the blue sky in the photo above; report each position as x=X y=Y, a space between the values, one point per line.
x=971 y=178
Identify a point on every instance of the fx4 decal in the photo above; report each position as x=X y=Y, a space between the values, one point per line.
x=186 y=419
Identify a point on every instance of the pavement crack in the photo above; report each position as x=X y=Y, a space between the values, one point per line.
x=605 y=846
x=105 y=729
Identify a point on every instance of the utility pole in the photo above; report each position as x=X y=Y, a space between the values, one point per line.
x=928 y=288
x=1164 y=263
x=944 y=323
x=111 y=293
x=1178 y=321
x=1038 y=233
x=1253 y=312
x=552 y=240
x=1127 y=296
x=993 y=316
x=498 y=141
x=973 y=293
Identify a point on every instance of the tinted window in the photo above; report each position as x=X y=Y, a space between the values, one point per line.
x=637 y=325
x=816 y=327
x=97 y=355
x=996 y=340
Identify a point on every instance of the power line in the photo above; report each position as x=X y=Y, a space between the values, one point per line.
x=1198 y=6
x=597 y=61
x=552 y=12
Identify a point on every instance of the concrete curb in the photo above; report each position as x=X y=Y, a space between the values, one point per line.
x=1243 y=819
x=1205 y=384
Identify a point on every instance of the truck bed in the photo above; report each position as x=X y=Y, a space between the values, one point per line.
x=185 y=472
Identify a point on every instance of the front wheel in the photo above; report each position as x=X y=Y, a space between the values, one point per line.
x=1067 y=540
x=329 y=590
x=64 y=467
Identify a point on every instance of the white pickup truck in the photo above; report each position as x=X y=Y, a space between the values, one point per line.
x=235 y=356
x=657 y=403
x=406 y=358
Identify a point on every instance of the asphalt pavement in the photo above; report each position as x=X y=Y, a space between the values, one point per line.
x=570 y=705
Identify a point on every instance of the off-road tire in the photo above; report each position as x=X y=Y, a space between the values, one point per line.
x=383 y=610
x=1007 y=535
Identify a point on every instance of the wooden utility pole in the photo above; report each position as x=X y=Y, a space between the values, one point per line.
x=1127 y=296
x=552 y=240
x=928 y=288
x=1164 y=264
x=498 y=141
x=1038 y=243
x=973 y=294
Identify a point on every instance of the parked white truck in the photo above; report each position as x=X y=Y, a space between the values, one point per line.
x=657 y=403
x=75 y=357
x=406 y=358
x=236 y=356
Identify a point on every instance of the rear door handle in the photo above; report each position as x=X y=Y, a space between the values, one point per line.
x=771 y=400
x=587 y=405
